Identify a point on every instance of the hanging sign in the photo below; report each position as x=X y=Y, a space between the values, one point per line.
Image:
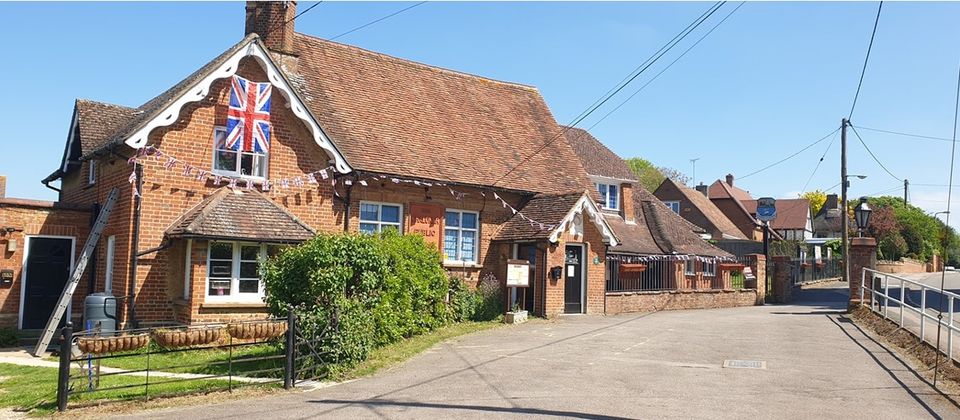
x=425 y=220
x=518 y=273
x=766 y=209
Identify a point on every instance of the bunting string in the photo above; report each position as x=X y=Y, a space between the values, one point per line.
x=287 y=184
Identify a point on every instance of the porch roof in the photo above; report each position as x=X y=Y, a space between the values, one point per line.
x=240 y=215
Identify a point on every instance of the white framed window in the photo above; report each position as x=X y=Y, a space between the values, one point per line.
x=233 y=271
x=375 y=217
x=609 y=196
x=91 y=172
x=690 y=268
x=108 y=274
x=674 y=205
x=234 y=162
x=460 y=234
x=709 y=268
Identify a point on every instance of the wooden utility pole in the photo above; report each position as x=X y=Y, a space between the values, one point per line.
x=906 y=186
x=843 y=199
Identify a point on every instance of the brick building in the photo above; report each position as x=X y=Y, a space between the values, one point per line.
x=695 y=207
x=360 y=142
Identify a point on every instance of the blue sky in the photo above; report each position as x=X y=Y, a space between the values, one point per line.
x=772 y=79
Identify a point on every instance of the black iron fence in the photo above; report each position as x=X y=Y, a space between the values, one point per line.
x=807 y=270
x=648 y=276
x=156 y=362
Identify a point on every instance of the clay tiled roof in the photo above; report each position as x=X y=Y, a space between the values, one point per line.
x=635 y=238
x=241 y=215
x=720 y=189
x=97 y=122
x=549 y=209
x=396 y=116
x=710 y=211
x=792 y=213
x=596 y=158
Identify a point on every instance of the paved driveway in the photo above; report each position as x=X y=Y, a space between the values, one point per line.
x=658 y=365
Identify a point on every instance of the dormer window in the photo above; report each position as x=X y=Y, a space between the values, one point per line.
x=226 y=161
x=609 y=196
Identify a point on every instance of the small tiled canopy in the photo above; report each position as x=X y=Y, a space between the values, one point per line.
x=240 y=215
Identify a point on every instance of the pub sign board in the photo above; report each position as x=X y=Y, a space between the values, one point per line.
x=518 y=273
x=426 y=220
x=766 y=209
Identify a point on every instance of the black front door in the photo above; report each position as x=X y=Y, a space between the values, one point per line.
x=573 y=288
x=47 y=270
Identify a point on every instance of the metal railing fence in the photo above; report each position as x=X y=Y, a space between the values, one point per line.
x=809 y=270
x=913 y=309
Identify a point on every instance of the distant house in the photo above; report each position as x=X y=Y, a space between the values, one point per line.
x=729 y=199
x=827 y=223
x=696 y=208
x=793 y=220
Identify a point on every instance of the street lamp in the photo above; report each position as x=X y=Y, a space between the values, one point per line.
x=862 y=215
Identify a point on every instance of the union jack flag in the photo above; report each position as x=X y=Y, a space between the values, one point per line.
x=248 y=118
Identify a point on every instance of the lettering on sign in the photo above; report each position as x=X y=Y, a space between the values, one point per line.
x=426 y=220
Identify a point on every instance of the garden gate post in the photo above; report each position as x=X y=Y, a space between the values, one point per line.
x=291 y=336
x=63 y=378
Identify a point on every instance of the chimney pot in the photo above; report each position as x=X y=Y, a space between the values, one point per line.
x=273 y=22
x=730 y=179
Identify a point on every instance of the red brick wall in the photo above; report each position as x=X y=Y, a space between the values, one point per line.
x=669 y=192
x=618 y=303
x=594 y=250
x=39 y=219
x=742 y=220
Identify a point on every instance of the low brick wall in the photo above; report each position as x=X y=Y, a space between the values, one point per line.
x=626 y=302
x=905 y=265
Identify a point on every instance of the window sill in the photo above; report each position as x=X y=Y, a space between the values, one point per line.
x=461 y=264
x=233 y=305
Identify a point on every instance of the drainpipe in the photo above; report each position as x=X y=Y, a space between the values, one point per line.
x=47 y=184
x=92 y=283
x=346 y=209
x=135 y=243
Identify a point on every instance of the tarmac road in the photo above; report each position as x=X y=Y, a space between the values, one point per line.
x=815 y=363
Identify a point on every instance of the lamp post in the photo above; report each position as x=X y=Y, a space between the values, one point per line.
x=862 y=215
x=845 y=242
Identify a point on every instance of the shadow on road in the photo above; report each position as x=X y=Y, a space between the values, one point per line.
x=484 y=408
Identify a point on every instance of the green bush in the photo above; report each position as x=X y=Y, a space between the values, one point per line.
x=8 y=337
x=490 y=294
x=464 y=301
x=355 y=292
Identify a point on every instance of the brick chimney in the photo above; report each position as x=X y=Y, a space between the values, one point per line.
x=703 y=189
x=627 y=210
x=269 y=20
x=730 y=179
x=3 y=186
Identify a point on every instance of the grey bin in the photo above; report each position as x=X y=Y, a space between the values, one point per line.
x=100 y=309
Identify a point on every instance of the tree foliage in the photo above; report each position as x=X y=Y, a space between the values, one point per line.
x=650 y=176
x=911 y=233
x=817 y=199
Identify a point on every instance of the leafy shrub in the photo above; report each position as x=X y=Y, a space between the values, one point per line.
x=490 y=294
x=464 y=301
x=355 y=292
x=8 y=337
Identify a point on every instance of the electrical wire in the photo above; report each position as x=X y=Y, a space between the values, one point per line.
x=900 y=133
x=376 y=21
x=865 y=61
x=943 y=274
x=819 y=162
x=873 y=155
x=656 y=57
x=667 y=67
x=792 y=155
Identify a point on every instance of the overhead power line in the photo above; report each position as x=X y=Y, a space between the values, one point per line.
x=819 y=162
x=667 y=67
x=900 y=133
x=792 y=155
x=873 y=155
x=373 y=22
x=650 y=61
x=865 y=61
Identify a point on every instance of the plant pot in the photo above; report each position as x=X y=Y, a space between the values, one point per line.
x=517 y=317
x=257 y=330
x=101 y=345
x=186 y=338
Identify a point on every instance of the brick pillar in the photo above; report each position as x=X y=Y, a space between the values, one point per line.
x=781 y=279
x=758 y=264
x=863 y=254
x=722 y=281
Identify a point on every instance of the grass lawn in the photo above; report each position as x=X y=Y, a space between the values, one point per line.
x=34 y=388
x=402 y=350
